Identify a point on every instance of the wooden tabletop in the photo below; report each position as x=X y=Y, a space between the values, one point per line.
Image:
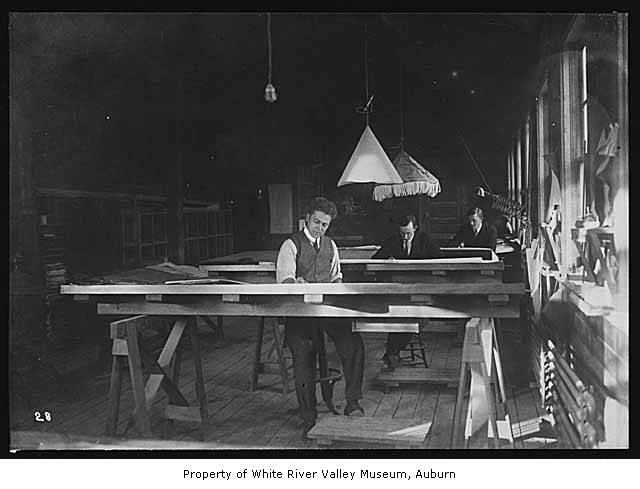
x=297 y=289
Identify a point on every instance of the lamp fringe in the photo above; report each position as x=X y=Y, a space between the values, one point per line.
x=381 y=192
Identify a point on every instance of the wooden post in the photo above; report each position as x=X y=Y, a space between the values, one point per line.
x=175 y=203
x=571 y=143
x=621 y=200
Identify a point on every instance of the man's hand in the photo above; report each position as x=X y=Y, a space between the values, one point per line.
x=291 y=280
x=391 y=258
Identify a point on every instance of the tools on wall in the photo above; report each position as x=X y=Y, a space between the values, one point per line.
x=571 y=403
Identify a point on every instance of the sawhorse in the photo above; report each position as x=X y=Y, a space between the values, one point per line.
x=481 y=357
x=165 y=372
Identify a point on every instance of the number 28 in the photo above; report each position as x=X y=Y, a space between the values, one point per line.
x=42 y=417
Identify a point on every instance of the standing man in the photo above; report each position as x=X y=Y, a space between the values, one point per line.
x=407 y=244
x=309 y=256
x=475 y=233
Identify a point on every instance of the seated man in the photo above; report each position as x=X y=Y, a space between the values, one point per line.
x=407 y=244
x=309 y=256
x=475 y=233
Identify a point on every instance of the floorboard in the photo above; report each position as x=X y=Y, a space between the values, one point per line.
x=265 y=418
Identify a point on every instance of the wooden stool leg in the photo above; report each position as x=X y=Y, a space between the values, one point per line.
x=202 y=395
x=141 y=413
x=253 y=385
x=423 y=351
x=114 y=394
x=282 y=362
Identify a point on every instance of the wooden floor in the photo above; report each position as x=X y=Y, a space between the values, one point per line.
x=264 y=418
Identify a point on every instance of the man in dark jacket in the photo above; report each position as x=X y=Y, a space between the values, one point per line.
x=309 y=256
x=475 y=233
x=407 y=244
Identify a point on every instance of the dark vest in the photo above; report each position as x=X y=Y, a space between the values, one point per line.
x=311 y=265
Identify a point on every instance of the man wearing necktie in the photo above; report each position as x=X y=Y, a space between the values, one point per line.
x=309 y=256
x=407 y=244
x=476 y=233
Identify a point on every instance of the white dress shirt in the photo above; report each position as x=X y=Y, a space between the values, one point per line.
x=286 y=264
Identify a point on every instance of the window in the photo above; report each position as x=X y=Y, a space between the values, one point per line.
x=583 y=181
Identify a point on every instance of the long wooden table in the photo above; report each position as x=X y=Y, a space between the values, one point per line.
x=394 y=290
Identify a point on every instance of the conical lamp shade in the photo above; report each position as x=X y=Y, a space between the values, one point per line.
x=369 y=163
x=416 y=180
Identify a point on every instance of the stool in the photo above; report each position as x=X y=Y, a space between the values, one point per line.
x=415 y=348
x=481 y=357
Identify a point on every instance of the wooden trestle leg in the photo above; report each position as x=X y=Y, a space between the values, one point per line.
x=164 y=374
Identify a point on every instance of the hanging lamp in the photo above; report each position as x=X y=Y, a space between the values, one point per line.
x=270 y=94
x=368 y=163
x=416 y=180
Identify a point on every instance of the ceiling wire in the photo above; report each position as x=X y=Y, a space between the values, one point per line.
x=269 y=41
x=367 y=108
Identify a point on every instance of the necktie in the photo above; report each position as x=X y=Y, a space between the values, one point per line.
x=316 y=245
x=406 y=248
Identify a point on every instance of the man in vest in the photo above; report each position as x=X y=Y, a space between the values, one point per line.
x=309 y=256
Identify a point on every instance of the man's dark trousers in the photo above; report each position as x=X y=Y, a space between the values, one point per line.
x=301 y=334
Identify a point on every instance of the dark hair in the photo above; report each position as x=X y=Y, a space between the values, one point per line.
x=406 y=219
x=323 y=205
x=475 y=211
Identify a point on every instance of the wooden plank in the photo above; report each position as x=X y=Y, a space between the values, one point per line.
x=151 y=388
x=468 y=308
x=397 y=432
x=119 y=347
x=113 y=398
x=183 y=413
x=223 y=269
x=430 y=265
x=313 y=298
x=141 y=413
x=462 y=277
x=442 y=326
x=408 y=402
x=297 y=289
x=172 y=342
x=421 y=298
x=385 y=327
x=498 y=298
x=442 y=427
x=416 y=375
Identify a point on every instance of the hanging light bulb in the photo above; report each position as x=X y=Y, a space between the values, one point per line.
x=270 y=94
x=269 y=91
